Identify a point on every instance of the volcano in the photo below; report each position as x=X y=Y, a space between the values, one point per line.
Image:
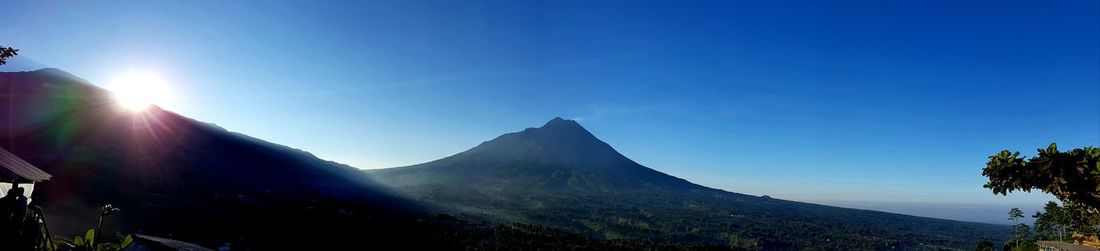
x=562 y=175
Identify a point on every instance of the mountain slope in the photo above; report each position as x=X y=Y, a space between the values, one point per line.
x=173 y=176
x=561 y=175
x=545 y=159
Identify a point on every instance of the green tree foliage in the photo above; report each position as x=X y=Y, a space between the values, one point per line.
x=1015 y=214
x=87 y=243
x=1072 y=176
x=1053 y=223
x=1082 y=220
x=1023 y=246
x=1020 y=231
x=985 y=245
x=7 y=52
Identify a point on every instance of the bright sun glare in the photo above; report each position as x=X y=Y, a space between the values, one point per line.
x=136 y=92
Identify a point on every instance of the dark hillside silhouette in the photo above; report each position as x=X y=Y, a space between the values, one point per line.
x=561 y=175
x=170 y=175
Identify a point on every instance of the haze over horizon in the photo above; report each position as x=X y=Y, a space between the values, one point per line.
x=863 y=105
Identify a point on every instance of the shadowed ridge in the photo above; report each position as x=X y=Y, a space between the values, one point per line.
x=558 y=140
x=564 y=124
x=173 y=175
x=559 y=156
x=561 y=175
x=57 y=76
x=22 y=64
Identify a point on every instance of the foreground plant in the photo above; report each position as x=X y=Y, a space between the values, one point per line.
x=87 y=242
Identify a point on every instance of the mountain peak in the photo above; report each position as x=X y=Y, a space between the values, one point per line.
x=562 y=129
x=558 y=121
x=561 y=154
x=560 y=143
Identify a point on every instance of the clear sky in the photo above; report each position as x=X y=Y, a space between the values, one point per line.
x=882 y=101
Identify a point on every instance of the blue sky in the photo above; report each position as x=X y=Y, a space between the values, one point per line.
x=882 y=101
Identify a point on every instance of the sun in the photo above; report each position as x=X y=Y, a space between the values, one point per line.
x=136 y=92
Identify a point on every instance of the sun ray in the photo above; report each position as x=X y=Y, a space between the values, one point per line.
x=136 y=92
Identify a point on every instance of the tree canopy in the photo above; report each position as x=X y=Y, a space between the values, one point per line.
x=1053 y=223
x=1059 y=222
x=1020 y=230
x=1072 y=176
x=7 y=52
